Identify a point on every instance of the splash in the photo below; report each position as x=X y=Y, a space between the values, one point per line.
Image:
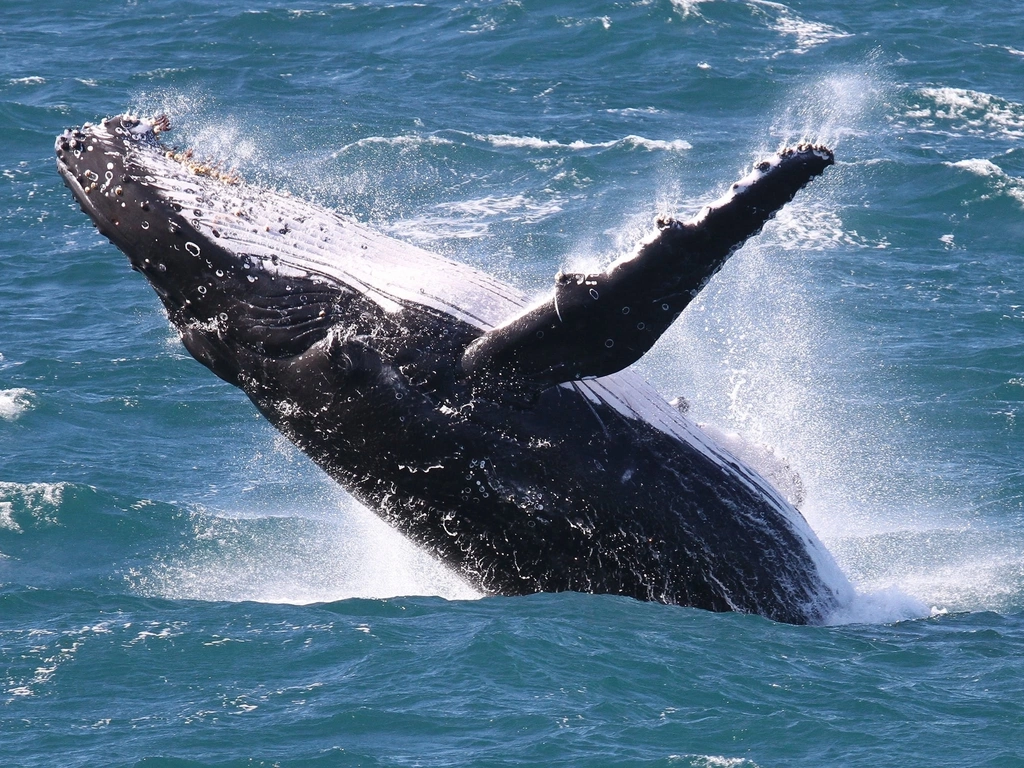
x=767 y=353
x=298 y=555
x=834 y=108
x=288 y=534
x=14 y=402
x=229 y=141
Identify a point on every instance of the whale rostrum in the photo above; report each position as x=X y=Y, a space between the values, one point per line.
x=510 y=439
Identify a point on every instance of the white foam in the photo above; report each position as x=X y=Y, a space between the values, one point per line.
x=808 y=34
x=471 y=219
x=972 y=112
x=7 y=520
x=532 y=142
x=299 y=556
x=884 y=606
x=405 y=141
x=14 y=402
x=41 y=501
x=687 y=8
x=1004 y=183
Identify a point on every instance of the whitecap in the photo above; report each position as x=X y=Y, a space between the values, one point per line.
x=14 y=402
x=882 y=606
x=808 y=34
x=404 y=141
x=532 y=142
x=972 y=112
x=687 y=8
x=1004 y=183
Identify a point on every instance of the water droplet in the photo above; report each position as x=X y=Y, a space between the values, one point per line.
x=192 y=248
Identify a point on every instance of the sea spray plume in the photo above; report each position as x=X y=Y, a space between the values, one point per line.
x=410 y=379
x=832 y=108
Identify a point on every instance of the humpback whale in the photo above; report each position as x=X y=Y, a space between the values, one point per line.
x=509 y=439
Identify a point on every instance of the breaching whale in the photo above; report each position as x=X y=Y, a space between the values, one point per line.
x=507 y=438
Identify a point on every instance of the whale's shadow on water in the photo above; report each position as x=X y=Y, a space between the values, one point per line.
x=510 y=441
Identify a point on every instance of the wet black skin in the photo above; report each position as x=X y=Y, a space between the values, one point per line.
x=516 y=484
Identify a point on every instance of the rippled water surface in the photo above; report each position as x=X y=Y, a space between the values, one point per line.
x=180 y=587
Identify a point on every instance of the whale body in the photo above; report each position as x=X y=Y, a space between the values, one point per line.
x=508 y=439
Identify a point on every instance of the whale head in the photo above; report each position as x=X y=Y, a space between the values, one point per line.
x=188 y=229
x=127 y=202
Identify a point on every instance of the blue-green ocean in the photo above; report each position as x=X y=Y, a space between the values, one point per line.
x=180 y=587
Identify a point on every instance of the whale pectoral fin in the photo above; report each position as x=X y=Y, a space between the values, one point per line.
x=596 y=324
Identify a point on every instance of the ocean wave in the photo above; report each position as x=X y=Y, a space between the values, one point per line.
x=632 y=111
x=504 y=140
x=14 y=402
x=687 y=8
x=25 y=505
x=1002 y=182
x=808 y=34
x=972 y=112
x=405 y=141
x=319 y=546
x=532 y=142
x=471 y=219
x=781 y=19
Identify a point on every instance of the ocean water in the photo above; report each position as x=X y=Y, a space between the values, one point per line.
x=180 y=587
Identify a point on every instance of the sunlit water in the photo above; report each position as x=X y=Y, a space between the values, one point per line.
x=178 y=586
